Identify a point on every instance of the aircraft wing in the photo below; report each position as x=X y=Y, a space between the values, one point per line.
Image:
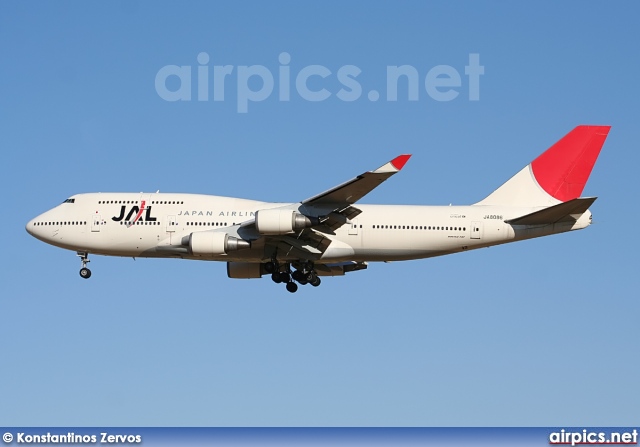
x=350 y=192
x=334 y=208
x=336 y=204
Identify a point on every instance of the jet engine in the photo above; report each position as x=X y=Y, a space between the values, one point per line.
x=210 y=243
x=272 y=222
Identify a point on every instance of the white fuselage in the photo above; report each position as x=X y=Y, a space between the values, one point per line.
x=99 y=223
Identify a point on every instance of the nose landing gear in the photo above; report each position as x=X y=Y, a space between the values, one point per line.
x=84 y=271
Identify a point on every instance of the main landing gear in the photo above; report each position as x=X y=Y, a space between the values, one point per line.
x=304 y=274
x=84 y=271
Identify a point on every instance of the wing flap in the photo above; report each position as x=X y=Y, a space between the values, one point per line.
x=308 y=244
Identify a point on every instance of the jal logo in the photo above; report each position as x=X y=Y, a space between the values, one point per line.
x=135 y=211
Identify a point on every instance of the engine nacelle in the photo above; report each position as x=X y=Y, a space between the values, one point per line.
x=271 y=222
x=245 y=270
x=210 y=243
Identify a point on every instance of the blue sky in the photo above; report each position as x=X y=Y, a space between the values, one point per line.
x=543 y=332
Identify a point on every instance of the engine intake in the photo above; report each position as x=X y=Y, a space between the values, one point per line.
x=272 y=222
x=209 y=243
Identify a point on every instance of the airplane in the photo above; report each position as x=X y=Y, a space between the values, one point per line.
x=329 y=234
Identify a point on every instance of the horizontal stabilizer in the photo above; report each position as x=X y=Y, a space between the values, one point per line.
x=554 y=213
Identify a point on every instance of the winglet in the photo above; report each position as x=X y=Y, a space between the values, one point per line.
x=394 y=165
x=400 y=161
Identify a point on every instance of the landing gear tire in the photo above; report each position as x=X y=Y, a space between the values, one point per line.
x=285 y=277
x=292 y=287
x=316 y=282
x=270 y=267
x=84 y=259
x=275 y=277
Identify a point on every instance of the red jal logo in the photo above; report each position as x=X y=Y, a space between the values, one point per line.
x=137 y=211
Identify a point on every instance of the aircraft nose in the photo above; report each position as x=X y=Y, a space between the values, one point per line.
x=34 y=227
x=31 y=227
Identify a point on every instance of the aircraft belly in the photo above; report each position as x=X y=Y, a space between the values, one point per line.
x=67 y=238
x=115 y=242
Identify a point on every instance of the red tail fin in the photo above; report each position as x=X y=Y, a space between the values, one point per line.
x=558 y=175
x=563 y=169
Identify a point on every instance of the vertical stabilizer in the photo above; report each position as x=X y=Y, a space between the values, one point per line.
x=558 y=175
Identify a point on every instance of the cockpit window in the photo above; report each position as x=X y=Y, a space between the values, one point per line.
x=70 y=201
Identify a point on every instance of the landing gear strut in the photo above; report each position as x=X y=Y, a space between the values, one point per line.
x=306 y=274
x=276 y=275
x=280 y=275
x=303 y=274
x=84 y=271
